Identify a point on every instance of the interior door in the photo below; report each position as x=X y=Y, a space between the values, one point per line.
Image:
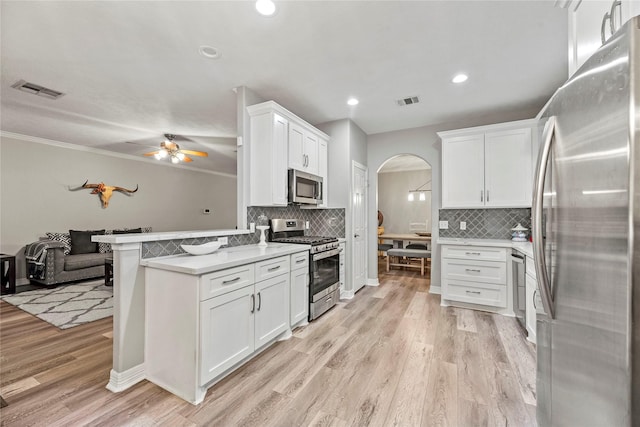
x=359 y=217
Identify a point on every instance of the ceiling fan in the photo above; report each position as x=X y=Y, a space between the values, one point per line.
x=170 y=149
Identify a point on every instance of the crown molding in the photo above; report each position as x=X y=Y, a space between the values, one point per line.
x=76 y=147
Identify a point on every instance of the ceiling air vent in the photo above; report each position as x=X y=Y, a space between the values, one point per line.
x=408 y=101
x=37 y=89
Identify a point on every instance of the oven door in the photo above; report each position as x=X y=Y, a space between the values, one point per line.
x=325 y=272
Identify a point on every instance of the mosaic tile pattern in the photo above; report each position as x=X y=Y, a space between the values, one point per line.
x=484 y=223
x=322 y=222
x=172 y=247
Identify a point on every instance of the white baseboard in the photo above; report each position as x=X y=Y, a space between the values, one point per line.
x=120 y=381
x=373 y=282
x=435 y=290
x=347 y=295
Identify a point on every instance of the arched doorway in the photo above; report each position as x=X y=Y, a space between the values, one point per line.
x=404 y=199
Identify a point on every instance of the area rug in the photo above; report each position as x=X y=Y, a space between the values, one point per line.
x=67 y=305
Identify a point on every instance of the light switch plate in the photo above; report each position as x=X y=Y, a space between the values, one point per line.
x=252 y=227
x=463 y=225
x=443 y=225
x=223 y=241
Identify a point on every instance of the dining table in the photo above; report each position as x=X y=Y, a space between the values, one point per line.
x=399 y=238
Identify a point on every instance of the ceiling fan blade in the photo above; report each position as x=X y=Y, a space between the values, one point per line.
x=187 y=159
x=153 y=153
x=195 y=153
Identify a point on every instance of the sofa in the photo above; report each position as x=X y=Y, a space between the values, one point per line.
x=70 y=257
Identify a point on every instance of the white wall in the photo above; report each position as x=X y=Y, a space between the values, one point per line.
x=35 y=196
x=398 y=211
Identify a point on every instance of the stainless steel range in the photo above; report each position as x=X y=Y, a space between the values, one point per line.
x=324 y=263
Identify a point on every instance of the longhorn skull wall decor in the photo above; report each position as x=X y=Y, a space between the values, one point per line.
x=105 y=191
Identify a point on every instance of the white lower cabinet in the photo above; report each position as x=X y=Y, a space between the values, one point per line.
x=533 y=299
x=199 y=328
x=475 y=276
x=272 y=309
x=224 y=346
x=299 y=289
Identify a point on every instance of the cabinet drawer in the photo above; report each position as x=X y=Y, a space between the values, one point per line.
x=476 y=293
x=530 y=267
x=300 y=260
x=475 y=253
x=476 y=271
x=223 y=281
x=272 y=268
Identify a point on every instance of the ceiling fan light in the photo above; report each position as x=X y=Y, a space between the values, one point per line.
x=423 y=197
x=157 y=156
x=410 y=197
x=174 y=160
x=180 y=156
x=163 y=153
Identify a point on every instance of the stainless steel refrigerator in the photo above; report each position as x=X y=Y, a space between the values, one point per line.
x=586 y=212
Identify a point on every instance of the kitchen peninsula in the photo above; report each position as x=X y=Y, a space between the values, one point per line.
x=133 y=254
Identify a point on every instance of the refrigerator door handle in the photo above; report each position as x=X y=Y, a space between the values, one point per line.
x=538 y=244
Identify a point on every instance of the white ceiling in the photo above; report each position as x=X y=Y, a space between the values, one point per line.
x=131 y=71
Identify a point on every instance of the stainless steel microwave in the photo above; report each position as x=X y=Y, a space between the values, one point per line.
x=305 y=188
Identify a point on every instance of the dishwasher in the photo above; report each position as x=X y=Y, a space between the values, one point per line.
x=519 y=288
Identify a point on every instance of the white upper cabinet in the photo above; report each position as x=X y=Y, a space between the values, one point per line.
x=488 y=166
x=323 y=170
x=279 y=141
x=508 y=168
x=463 y=172
x=593 y=22
x=268 y=158
x=303 y=149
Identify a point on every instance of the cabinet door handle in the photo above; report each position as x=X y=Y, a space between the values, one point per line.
x=273 y=268
x=487 y=195
x=259 y=301
x=535 y=292
x=473 y=292
x=253 y=303
x=472 y=253
x=472 y=270
x=226 y=282
x=482 y=195
x=300 y=260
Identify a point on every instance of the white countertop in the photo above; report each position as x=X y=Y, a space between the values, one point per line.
x=223 y=258
x=166 y=235
x=524 y=247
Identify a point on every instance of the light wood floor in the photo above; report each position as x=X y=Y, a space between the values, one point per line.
x=391 y=356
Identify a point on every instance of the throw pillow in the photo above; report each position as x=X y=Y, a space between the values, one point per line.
x=63 y=238
x=81 y=241
x=105 y=248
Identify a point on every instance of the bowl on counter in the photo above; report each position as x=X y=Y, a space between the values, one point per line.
x=203 y=249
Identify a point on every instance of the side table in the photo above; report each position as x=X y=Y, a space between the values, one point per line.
x=108 y=271
x=7 y=274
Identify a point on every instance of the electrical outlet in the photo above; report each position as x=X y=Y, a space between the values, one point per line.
x=206 y=211
x=252 y=227
x=223 y=241
x=306 y=225
x=443 y=225
x=463 y=225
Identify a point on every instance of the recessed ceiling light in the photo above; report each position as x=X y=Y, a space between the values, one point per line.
x=459 y=78
x=209 y=52
x=265 y=7
x=352 y=101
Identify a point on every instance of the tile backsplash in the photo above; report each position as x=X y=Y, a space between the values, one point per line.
x=484 y=223
x=322 y=222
